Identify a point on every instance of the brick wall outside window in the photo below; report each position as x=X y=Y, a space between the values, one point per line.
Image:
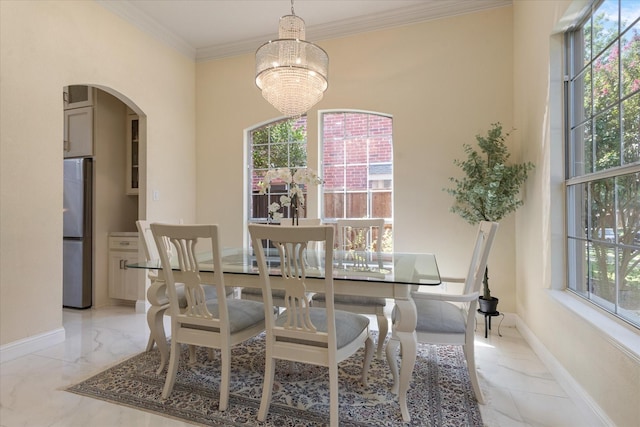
x=357 y=159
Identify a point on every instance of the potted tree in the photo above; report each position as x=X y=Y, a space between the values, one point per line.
x=489 y=189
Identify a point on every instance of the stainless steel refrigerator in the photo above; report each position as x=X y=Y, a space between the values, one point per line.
x=77 y=271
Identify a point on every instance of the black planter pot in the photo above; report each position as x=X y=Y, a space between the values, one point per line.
x=489 y=306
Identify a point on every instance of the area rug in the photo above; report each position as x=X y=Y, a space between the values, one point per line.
x=440 y=393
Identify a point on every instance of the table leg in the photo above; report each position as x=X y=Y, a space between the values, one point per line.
x=403 y=333
x=391 y=351
x=156 y=295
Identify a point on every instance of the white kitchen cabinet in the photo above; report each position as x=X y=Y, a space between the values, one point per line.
x=77 y=96
x=123 y=281
x=132 y=154
x=78 y=132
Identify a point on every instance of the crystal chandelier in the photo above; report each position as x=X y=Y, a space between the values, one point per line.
x=291 y=72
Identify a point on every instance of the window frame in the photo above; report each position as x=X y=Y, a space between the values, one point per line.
x=385 y=177
x=584 y=243
x=276 y=190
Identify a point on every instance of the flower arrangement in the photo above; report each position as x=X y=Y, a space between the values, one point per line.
x=295 y=197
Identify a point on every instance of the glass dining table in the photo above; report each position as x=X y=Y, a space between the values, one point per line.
x=391 y=275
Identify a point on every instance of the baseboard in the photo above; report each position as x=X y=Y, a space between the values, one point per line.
x=142 y=306
x=26 y=346
x=584 y=401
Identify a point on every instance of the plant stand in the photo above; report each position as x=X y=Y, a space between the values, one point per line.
x=487 y=321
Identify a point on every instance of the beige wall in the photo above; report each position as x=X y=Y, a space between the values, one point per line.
x=45 y=46
x=114 y=210
x=609 y=374
x=443 y=82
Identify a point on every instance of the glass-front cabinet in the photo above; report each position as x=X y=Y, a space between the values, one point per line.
x=77 y=96
x=132 y=183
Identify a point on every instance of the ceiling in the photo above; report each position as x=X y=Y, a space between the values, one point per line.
x=211 y=29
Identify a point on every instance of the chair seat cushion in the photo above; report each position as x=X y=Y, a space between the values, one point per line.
x=243 y=314
x=277 y=293
x=351 y=300
x=439 y=317
x=348 y=325
x=210 y=293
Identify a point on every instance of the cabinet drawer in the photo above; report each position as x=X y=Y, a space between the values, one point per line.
x=123 y=243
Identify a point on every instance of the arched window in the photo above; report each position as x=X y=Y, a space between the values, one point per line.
x=357 y=167
x=279 y=144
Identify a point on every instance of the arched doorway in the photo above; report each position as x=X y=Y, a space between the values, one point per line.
x=117 y=181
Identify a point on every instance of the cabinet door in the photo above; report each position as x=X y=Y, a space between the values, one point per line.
x=78 y=132
x=77 y=96
x=116 y=279
x=132 y=155
x=123 y=281
x=130 y=276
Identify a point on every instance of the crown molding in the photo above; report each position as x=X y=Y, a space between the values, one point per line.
x=143 y=22
x=376 y=21
x=426 y=11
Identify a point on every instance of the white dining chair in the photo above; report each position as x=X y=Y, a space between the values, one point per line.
x=301 y=333
x=255 y=294
x=301 y=221
x=449 y=319
x=158 y=298
x=360 y=246
x=221 y=323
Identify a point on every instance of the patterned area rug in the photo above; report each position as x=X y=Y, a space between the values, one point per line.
x=440 y=393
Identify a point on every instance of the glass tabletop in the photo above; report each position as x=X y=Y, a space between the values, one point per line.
x=394 y=268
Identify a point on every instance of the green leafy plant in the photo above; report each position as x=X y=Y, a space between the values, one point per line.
x=490 y=187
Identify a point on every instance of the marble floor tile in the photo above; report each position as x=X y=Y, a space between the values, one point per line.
x=538 y=410
x=518 y=388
